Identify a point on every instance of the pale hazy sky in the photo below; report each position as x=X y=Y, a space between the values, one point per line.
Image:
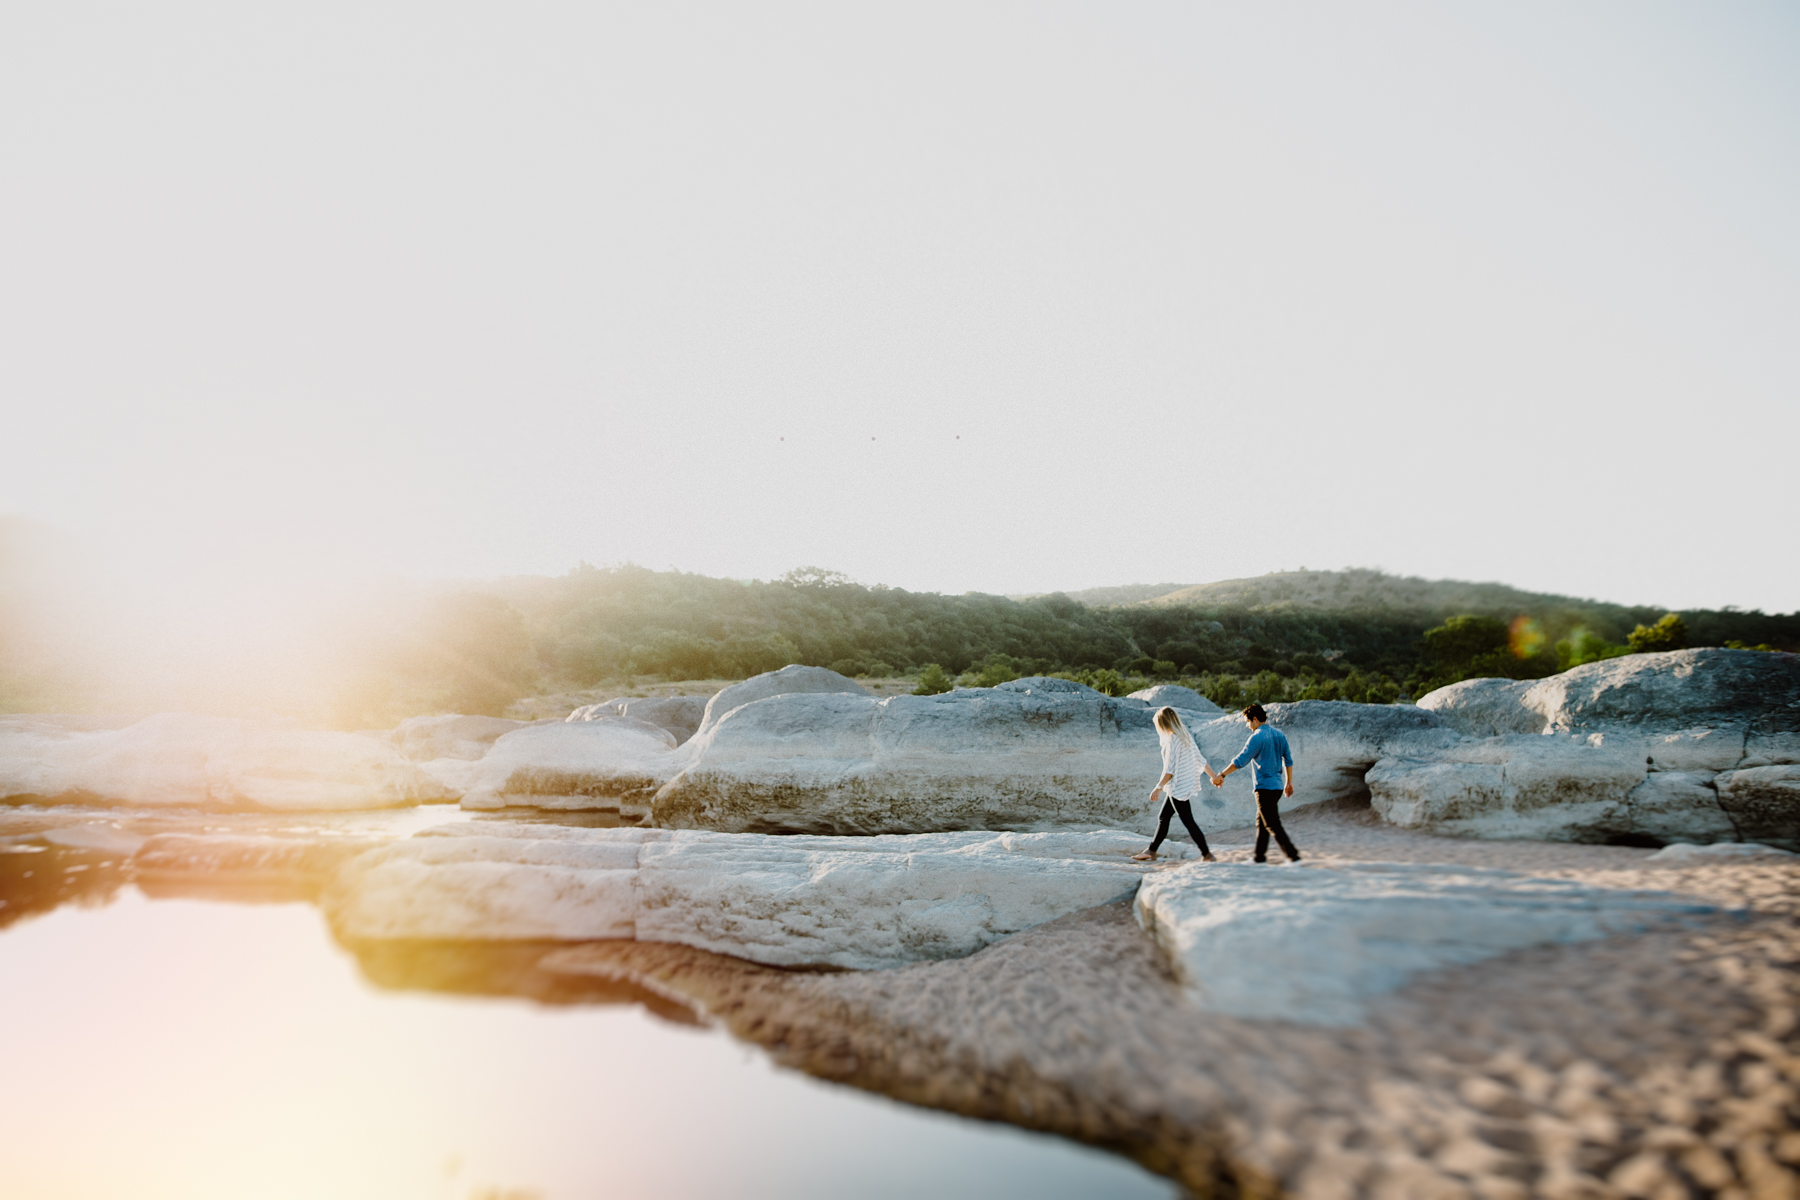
x=962 y=296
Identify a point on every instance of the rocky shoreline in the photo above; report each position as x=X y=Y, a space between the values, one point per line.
x=1664 y=1063
x=1545 y=939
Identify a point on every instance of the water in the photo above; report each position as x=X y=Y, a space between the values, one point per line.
x=190 y=1050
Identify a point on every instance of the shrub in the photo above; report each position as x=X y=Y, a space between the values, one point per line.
x=932 y=681
x=1163 y=670
x=1670 y=633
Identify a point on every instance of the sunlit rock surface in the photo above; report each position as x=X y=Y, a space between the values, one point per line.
x=680 y=715
x=606 y=763
x=993 y=758
x=1315 y=944
x=450 y=735
x=1171 y=695
x=785 y=901
x=207 y=762
x=1690 y=745
x=790 y=680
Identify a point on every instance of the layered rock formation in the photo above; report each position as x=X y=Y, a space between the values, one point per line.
x=1690 y=745
x=206 y=762
x=789 y=901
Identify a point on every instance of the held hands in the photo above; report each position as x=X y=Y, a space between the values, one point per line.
x=1218 y=780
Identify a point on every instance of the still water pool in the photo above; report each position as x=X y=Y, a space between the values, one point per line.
x=191 y=1050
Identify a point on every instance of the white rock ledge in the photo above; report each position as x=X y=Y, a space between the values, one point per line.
x=1314 y=943
x=855 y=902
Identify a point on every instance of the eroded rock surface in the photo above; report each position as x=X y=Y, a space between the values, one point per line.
x=788 y=901
x=1315 y=944
x=1007 y=757
x=1175 y=696
x=790 y=680
x=680 y=715
x=1691 y=745
x=207 y=762
x=607 y=763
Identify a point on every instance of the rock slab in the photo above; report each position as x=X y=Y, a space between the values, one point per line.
x=859 y=903
x=1315 y=944
x=207 y=762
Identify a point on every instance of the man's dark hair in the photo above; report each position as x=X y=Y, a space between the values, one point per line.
x=1255 y=713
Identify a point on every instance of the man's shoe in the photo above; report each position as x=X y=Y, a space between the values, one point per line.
x=1260 y=860
x=1293 y=858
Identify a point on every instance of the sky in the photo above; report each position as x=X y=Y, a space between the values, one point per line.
x=997 y=297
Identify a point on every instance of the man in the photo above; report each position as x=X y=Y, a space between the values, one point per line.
x=1271 y=774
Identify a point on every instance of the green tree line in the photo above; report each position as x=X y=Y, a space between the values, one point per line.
x=612 y=625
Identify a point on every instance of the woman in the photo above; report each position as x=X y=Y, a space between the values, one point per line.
x=1182 y=765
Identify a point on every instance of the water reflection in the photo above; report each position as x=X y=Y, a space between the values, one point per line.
x=194 y=1050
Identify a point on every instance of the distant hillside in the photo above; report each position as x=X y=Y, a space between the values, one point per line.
x=1112 y=597
x=1359 y=590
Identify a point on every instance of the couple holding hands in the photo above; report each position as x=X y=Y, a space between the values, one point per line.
x=1271 y=766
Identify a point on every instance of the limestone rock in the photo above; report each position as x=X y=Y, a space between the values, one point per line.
x=1679 y=689
x=982 y=758
x=680 y=715
x=1763 y=803
x=1691 y=745
x=1172 y=695
x=1314 y=944
x=790 y=680
x=1047 y=685
x=787 y=901
x=207 y=762
x=995 y=758
x=596 y=764
x=1485 y=707
x=451 y=735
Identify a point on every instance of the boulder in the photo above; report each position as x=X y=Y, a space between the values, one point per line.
x=1315 y=944
x=859 y=903
x=608 y=763
x=1485 y=707
x=680 y=715
x=451 y=735
x=207 y=762
x=790 y=680
x=1690 y=745
x=1679 y=689
x=1170 y=695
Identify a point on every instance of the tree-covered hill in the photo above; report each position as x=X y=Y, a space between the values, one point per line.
x=1267 y=639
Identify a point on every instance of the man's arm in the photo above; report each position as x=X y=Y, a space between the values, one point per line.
x=1287 y=766
x=1242 y=758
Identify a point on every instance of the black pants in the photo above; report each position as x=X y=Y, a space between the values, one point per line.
x=1268 y=820
x=1173 y=807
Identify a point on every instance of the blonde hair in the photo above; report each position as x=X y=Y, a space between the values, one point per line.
x=1169 y=721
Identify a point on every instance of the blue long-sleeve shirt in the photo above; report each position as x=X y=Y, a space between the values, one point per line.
x=1266 y=752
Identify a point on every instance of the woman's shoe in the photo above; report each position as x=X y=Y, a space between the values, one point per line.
x=1208 y=858
x=1146 y=856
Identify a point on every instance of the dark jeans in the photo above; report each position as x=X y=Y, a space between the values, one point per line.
x=1268 y=820
x=1173 y=807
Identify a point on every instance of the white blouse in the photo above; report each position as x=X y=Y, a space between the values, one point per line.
x=1182 y=759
